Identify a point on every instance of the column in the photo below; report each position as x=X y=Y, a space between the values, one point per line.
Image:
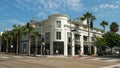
x=81 y=43
x=73 y=44
x=51 y=48
x=51 y=42
x=65 y=44
x=95 y=50
x=52 y=36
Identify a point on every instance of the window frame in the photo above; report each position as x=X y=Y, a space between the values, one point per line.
x=58 y=24
x=58 y=35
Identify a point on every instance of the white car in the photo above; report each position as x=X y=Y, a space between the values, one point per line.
x=116 y=52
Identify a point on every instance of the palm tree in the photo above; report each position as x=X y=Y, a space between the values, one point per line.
x=6 y=36
x=82 y=18
x=90 y=18
x=114 y=27
x=11 y=39
x=103 y=24
x=16 y=31
x=35 y=35
x=30 y=30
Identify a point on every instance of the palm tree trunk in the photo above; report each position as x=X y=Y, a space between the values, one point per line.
x=89 y=41
x=7 y=46
x=104 y=29
x=11 y=44
x=29 y=44
x=36 y=46
x=17 y=45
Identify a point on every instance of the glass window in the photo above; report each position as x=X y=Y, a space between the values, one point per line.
x=69 y=37
x=47 y=37
x=85 y=38
x=58 y=24
x=58 y=35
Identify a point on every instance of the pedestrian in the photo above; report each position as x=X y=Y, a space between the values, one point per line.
x=56 y=52
x=79 y=53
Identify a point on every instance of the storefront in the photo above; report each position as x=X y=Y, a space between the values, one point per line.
x=58 y=47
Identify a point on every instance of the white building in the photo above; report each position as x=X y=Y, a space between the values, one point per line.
x=60 y=36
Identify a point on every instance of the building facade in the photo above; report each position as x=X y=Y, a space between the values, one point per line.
x=62 y=37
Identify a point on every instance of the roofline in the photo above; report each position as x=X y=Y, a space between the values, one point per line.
x=59 y=15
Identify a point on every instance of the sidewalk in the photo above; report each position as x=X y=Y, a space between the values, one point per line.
x=62 y=56
x=50 y=56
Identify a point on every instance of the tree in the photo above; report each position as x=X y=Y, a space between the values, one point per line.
x=6 y=35
x=114 y=27
x=18 y=32
x=112 y=39
x=100 y=41
x=82 y=19
x=30 y=31
x=90 y=18
x=103 y=24
x=35 y=35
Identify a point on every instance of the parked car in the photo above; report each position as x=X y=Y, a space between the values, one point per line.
x=116 y=52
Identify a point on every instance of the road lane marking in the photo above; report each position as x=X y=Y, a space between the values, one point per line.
x=112 y=66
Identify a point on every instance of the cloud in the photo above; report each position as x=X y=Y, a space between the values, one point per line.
x=4 y=27
x=37 y=5
x=75 y=4
x=25 y=5
x=44 y=8
x=41 y=15
x=15 y=21
x=105 y=6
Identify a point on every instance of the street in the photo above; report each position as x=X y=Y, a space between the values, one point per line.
x=14 y=61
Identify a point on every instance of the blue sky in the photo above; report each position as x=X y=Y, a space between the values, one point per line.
x=21 y=11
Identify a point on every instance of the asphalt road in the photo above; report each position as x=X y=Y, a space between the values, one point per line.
x=12 y=61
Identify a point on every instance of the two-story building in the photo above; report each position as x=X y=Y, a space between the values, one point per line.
x=63 y=36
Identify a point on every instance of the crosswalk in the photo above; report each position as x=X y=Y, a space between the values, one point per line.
x=104 y=59
x=18 y=57
x=107 y=60
x=112 y=66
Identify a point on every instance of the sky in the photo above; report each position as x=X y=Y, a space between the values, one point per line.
x=22 y=11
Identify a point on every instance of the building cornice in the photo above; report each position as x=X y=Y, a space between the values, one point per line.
x=63 y=15
x=85 y=26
